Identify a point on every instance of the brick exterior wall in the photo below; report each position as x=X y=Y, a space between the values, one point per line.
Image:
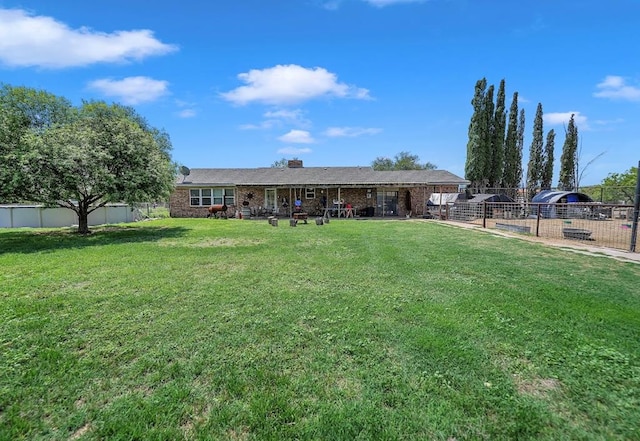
x=180 y=201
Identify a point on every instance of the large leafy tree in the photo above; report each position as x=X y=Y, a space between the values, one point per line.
x=24 y=110
x=547 y=161
x=401 y=161
x=383 y=163
x=104 y=153
x=621 y=186
x=568 y=173
x=512 y=171
x=535 y=165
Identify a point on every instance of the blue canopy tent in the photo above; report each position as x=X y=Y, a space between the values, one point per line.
x=549 y=199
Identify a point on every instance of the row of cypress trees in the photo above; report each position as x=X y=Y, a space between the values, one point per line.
x=494 y=149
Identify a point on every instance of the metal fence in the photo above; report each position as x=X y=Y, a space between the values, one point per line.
x=150 y=210
x=607 y=225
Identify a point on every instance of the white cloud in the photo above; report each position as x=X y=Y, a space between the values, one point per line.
x=187 y=113
x=278 y=118
x=264 y=125
x=615 y=87
x=331 y=5
x=294 y=151
x=383 y=3
x=188 y=109
x=611 y=81
x=131 y=90
x=609 y=122
x=293 y=116
x=290 y=84
x=297 y=137
x=562 y=118
x=350 y=132
x=27 y=40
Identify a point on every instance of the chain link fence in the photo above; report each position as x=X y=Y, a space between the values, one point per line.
x=150 y=210
x=607 y=225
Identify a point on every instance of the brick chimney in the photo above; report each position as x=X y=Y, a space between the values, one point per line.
x=294 y=163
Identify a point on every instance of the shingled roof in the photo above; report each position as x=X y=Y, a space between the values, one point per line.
x=316 y=177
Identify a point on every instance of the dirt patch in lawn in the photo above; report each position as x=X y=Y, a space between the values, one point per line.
x=537 y=387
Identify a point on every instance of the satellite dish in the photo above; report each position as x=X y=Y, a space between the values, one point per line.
x=185 y=171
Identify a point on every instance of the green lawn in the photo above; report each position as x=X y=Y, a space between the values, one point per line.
x=236 y=330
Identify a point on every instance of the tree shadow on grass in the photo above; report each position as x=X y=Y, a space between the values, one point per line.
x=27 y=241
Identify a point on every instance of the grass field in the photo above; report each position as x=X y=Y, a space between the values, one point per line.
x=355 y=330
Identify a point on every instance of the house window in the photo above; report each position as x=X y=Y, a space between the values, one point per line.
x=205 y=197
x=195 y=196
x=218 y=196
x=310 y=193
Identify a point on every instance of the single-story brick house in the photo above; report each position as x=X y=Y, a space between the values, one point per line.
x=269 y=190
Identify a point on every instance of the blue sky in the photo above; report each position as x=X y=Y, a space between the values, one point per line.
x=243 y=83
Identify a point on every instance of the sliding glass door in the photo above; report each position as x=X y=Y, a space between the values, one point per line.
x=387 y=203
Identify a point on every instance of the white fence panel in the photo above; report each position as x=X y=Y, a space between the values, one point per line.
x=26 y=217
x=5 y=218
x=35 y=216
x=57 y=217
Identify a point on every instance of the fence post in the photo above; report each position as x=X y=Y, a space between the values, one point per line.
x=484 y=214
x=601 y=193
x=636 y=212
x=538 y=222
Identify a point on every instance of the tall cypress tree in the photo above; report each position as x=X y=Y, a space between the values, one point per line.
x=547 y=168
x=510 y=174
x=535 y=165
x=474 y=167
x=486 y=144
x=520 y=146
x=567 y=180
x=497 y=157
